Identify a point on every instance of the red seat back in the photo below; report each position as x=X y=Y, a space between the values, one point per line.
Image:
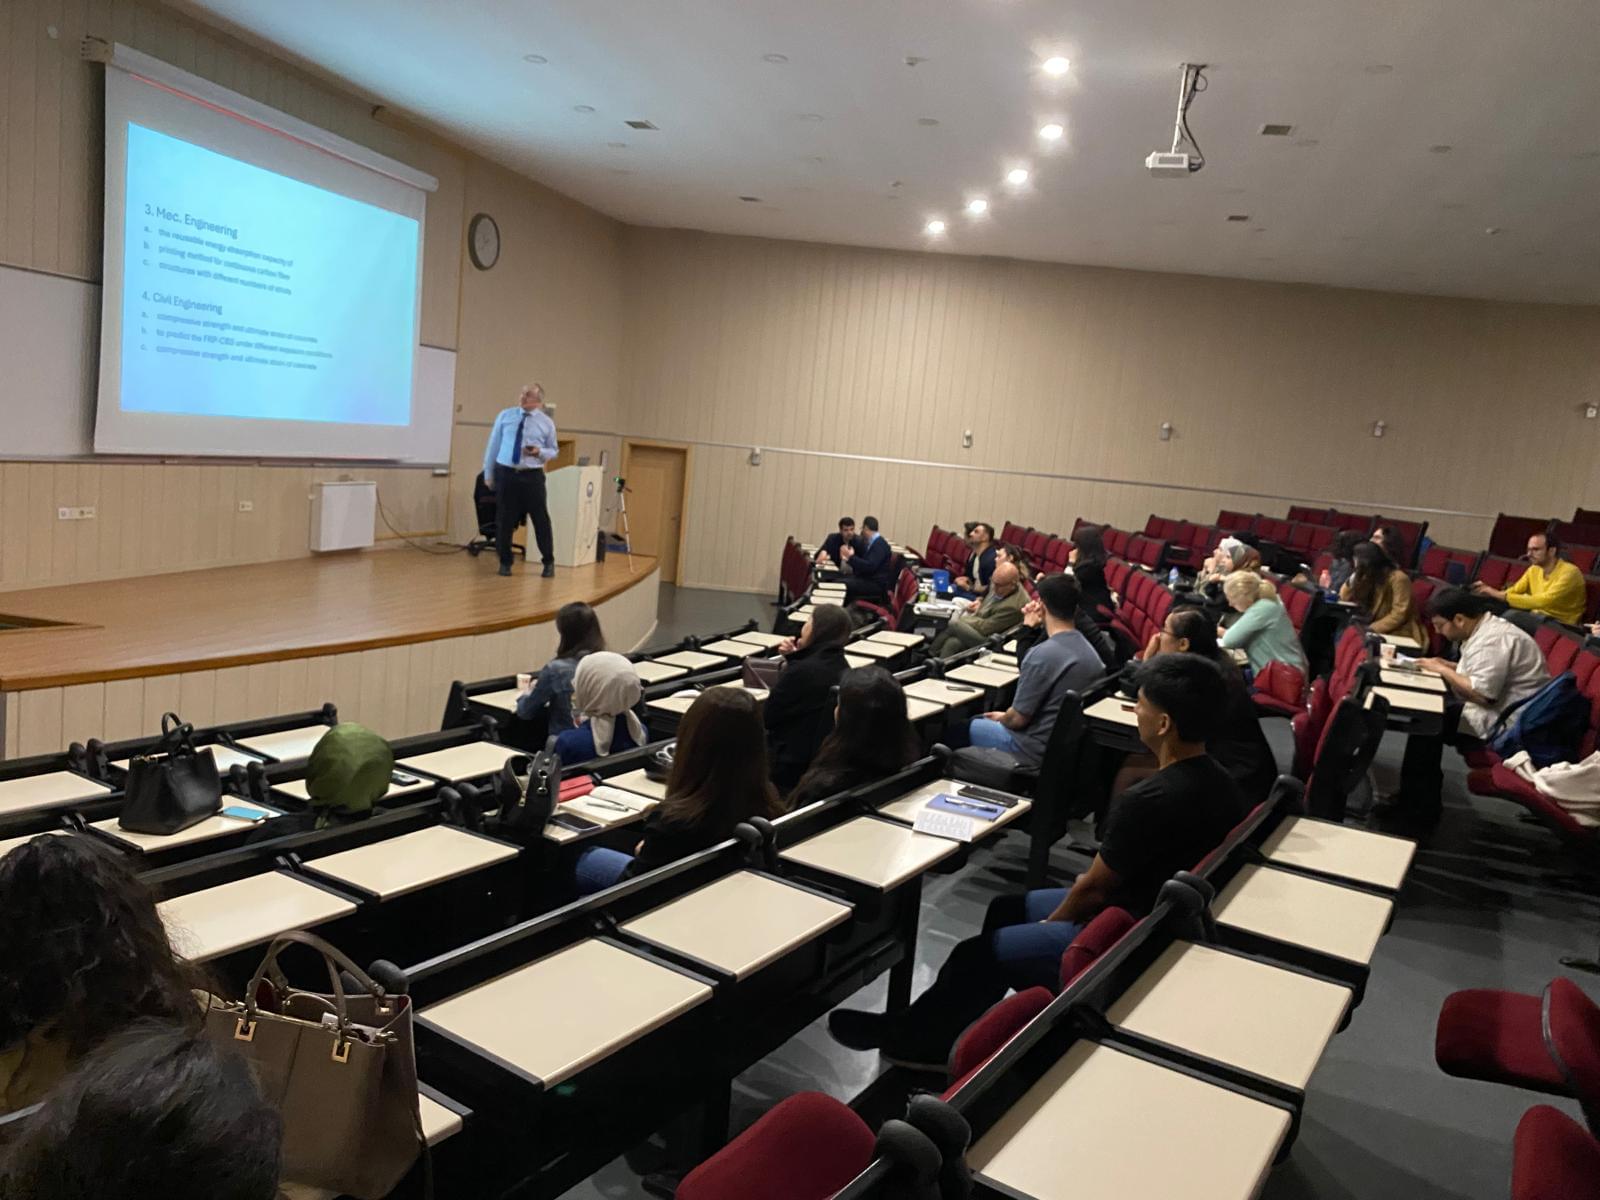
x=1576 y=533
x=1034 y=542
x=1509 y=537
x=1116 y=542
x=935 y=551
x=1582 y=557
x=1147 y=552
x=1117 y=572
x=1108 y=927
x=1437 y=559
x=986 y=1036
x=1282 y=682
x=1273 y=529
x=1553 y=1158
x=1159 y=527
x=1572 y=1030
x=1303 y=512
x=1229 y=521
x=1410 y=532
x=1353 y=521
x=1591 y=605
x=1500 y=572
x=1586 y=666
x=794 y=570
x=808 y=1147
x=1012 y=533
x=1056 y=551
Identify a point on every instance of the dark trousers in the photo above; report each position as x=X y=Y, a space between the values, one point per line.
x=1017 y=949
x=863 y=589
x=519 y=495
x=1422 y=768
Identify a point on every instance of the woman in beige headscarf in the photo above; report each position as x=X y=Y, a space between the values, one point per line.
x=605 y=692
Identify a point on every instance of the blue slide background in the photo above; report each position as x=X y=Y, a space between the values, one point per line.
x=326 y=335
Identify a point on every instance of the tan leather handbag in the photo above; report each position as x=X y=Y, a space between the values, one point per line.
x=339 y=1067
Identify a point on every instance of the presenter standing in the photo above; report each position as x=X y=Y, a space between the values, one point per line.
x=522 y=441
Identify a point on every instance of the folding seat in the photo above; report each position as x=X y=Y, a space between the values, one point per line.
x=1308 y=726
x=1437 y=561
x=956 y=552
x=794 y=572
x=1034 y=542
x=1553 y=1158
x=935 y=552
x=1055 y=555
x=1012 y=533
x=898 y=601
x=807 y=1147
x=1586 y=516
x=1273 y=529
x=1279 y=690
x=1299 y=535
x=987 y=1036
x=1116 y=542
x=1303 y=512
x=1104 y=930
x=1509 y=537
x=1351 y=521
x=1117 y=572
x=1346 y=749
x=1078 y=523
x=1582 y=557
x=1155 y=526
x=1161 y=605
x=1321 y=537
x=1576 y=533
x=1411 y=531
x=1548 y=1043
x=1591 y=605
x=1500 y=572
x=1229 y=521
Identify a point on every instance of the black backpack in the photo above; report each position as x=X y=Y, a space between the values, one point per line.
x=527 y=787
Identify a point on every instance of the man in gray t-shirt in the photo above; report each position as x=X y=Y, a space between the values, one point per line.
x=1065 y=661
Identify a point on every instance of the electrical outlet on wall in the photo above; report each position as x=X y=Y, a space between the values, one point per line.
x=247 y=506
x=63 y=514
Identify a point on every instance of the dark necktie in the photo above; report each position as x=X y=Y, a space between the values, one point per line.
x=516 y=452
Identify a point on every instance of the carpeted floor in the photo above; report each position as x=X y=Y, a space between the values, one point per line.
x=1480 y=909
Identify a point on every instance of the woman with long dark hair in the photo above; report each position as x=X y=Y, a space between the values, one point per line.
x=1087 y=559
x=82 y=955
x=871 y=737
x=718 y=779
x=1383 y=591
x=550 y=701
x=799 y=712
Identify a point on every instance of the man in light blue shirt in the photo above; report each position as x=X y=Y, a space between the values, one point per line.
x=522 y=441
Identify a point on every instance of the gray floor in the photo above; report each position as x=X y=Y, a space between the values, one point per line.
x=1380 y=1120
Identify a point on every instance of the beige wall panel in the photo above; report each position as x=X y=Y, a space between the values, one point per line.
x=39 y=722
x=83 y=712
x=124 y=709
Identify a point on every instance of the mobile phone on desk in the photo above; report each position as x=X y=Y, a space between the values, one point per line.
x=401 y=779
x=253 y=816
x=973 y=792
x=574 y=823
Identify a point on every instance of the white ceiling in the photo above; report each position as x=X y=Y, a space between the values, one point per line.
x=1354 y=197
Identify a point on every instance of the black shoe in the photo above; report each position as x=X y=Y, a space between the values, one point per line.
x=549 y=571
x=858 y=1030
x=505 y=568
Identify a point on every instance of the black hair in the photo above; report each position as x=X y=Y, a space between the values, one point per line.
x=1090 y=544
x=830 y=626
x=1198 y=629
x=988 y=529
x=155 y=1111
x=1345 y=542
x=1394 y=544
x=870 y=523
x=1189 y=689
x=578 y=630
x=83 y=949
x=872 y=737
x=1451 y=602
x=1019 y=556
x=850 y=521
x=1552 y=541
x=1370 y=574
x=1060 y=596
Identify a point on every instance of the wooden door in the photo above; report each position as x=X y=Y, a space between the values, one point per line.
x=656 y=476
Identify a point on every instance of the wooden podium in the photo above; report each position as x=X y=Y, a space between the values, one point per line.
x=574 y=496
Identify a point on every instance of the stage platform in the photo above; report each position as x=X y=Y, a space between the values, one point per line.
x=381 y=633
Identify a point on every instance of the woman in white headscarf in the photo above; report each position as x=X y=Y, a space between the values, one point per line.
x=605 y=691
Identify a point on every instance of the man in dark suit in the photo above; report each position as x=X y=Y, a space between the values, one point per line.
x=835 y=542
x=868 y=567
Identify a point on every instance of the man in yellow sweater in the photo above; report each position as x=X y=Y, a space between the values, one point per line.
x=1551 y=585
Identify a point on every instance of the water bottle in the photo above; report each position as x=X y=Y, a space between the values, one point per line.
x=1172 y=578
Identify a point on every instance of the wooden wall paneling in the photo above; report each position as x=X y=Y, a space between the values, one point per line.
x=162 y=694
x=345 y=690
x=83 y=712
x=124 y=710
x=39 y=730
x=231 y=692
x=319 y=683
x=197 y=697
x=12 y=705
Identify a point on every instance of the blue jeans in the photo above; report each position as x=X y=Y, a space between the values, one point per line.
x=981 y=731
x=1018 y=948
x=598 y=868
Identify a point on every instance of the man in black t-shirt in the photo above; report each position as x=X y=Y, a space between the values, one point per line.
x=1158 y=827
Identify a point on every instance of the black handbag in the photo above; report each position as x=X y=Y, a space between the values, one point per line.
x=174 y=788
x=526 y=788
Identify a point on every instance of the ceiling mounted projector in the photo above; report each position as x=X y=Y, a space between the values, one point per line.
x=1178 y=163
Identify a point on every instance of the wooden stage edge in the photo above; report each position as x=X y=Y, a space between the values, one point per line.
x=229 y=617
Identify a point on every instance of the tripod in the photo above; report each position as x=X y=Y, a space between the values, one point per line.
x=627 y=534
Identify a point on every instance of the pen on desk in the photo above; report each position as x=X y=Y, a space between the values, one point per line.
x=977 y=808
x=606 y=802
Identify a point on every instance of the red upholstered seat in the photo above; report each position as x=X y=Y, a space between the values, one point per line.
x=986 y=1036
x=1273 y=529
x=1582 y=557
x=1574 y=1033
x=1352 y=521
x=1495 y=1036
x=1436 y=561
x=794 y=570
x=935 y=550
x=1410 y=532
x=1160 y=527
x=806 y=1148
x=1117 y=572
x=1235 y=522
x=1034 y=542
x=1055 y=555
x=1553 y=1158
x=1302 y=512
x=1104 y=931
x=1509 y=537
x=1591 y=604
x=1012 y=533
x=1308 y=726
x=1576 y=533
x=1500 y=572
x=1498 y=780
x=1279 y=690
x=1116 y=541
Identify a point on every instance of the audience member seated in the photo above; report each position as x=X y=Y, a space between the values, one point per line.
x=871 y=738
x=348 y=772
x=718 y=779
x=1263 y=629
x=1087 y=558
x=548 y=707
x=1064 y=662
x=1238 y=742
x=1112 y=654
x=1382 y=591
x=1500 y=666
x=1164 y=824
x=799 y=711
x=836 y=542
x=868 y=566
x=1015 y=555
x=1551 y=585
x=1342 y=551
x=1231 y=555
x=996 y=612
x=981 y=560
x=154 y=1111
x=606 y=693
x=1393 y=543
x=83 y=955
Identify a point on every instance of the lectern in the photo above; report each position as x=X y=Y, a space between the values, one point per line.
x=574 y=496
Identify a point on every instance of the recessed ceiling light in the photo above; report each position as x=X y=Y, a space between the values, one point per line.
x=1272 y=130
x=637 y=124
x=811 y=116
x=1494 y=229
x=537 y=60
x=1051 y=132
x=934 y=227
x=1238 y=216
x=751 y=199
x=1056 y=65
x=930 y=122
x=775 y=58
x=1017 y=176
x=977 y=206
x=1378 y=69
x=583 y=108
x=1441 y=148
x=617 y=145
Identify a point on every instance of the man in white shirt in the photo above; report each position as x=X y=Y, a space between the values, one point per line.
x=522 y=440
x=1500 y=666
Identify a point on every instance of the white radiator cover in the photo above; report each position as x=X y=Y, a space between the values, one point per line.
x=343 y=515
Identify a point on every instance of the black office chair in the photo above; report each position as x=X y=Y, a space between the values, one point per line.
x=483 y=505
